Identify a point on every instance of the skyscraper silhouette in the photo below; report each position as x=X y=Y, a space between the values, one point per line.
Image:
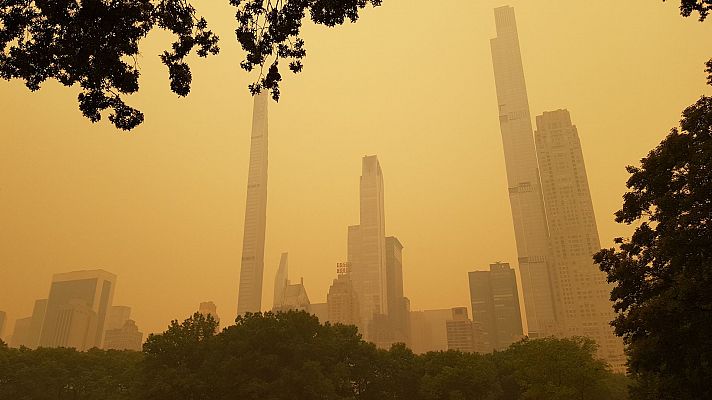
x=367 y=242
x=77 y=307
x=253 y=241
x=281 y=280
x=525 y=195
x=582 y=291
x=495 y=306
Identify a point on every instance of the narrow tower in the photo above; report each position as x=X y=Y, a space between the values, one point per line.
x=253 y=241
x=525 y=197
x=281 y=280
x=367 y=244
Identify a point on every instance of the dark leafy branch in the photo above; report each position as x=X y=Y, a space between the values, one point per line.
x=94 y=43
x=269 y=30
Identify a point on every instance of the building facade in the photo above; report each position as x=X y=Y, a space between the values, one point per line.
x=495 y=306
x=582 y=291
x=460 y=331
x=77 y=308
x=281 y=280
x=342 y=301
x=367 y=243
x=253 y=240
x=525 y=195
x=127 y=337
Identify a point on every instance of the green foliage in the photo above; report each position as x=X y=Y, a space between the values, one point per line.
x=291 y=356
x=663 y=273
x=57 y=374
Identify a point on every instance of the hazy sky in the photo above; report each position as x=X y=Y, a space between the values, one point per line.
x=162 y=207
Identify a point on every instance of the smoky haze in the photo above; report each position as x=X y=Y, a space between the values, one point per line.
x=163 y=206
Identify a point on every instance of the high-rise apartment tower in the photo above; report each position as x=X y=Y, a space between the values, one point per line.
x=253 y=241
x=581 y=289
x=525 y=194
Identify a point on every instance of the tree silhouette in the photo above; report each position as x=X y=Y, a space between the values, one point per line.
x=663 y=274
x=94 y=43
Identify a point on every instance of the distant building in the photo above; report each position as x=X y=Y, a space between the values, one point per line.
x=398 y=305
x=342 y=300
x=3 y=318
x=253 y=240
x=366 y=245
x=209 y=308
x=37 y=323
x=321 y=311
x=117 y=317
x=127 y=337
x=460 y=332
x=582 y=297
x=428 y=330
x=77 y=308
x=281 y=280
x=524 y=187
x=495 y=305
x=295 y=298
x=21 y=333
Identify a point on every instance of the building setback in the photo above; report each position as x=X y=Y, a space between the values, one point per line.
x=253 y=241
x=495 y=306
x=582 y=291
x=525 y=196
x=127 y=337
x=342 y=301
x=366 y=245
x=77 y=308
x=460 y=331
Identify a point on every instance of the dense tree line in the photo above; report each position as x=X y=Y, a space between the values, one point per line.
x=292 y=356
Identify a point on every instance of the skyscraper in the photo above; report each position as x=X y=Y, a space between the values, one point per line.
x=295 y=298
x=342 y=300
x=525 y=194
x=495 y=306
x=366 y=244
x=77 y=307
x=583 y=293
x=253 y=241
x=281 y=280
x=460 y=332
x=398 y=305
x=38 y=317
x=209 y=308
x=117 y=317
x=127 y=337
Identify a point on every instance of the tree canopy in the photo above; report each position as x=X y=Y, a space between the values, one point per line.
x=292 y=356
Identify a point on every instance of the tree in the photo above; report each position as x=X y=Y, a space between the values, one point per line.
x=94 y=43
x=663 y=273
x=702 y=7
x=552 y=368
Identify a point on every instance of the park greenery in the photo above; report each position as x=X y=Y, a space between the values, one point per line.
x=292 y=356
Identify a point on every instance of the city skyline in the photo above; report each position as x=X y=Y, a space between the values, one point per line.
x=181 y=187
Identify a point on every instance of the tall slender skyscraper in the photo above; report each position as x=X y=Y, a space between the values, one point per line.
x=583 y=291
x=367 y=244
x=281 y=280
x=525 y=196
x=253 y=241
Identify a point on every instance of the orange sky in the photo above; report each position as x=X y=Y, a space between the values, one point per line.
x=412 y=82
